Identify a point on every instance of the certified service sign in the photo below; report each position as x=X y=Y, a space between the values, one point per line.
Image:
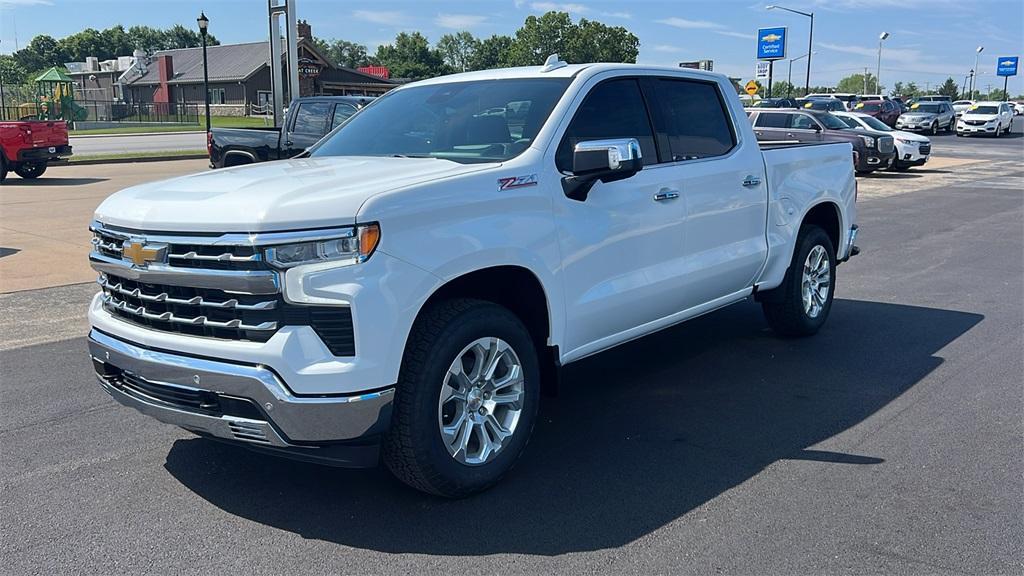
x=771 y=43
x=1007 y=66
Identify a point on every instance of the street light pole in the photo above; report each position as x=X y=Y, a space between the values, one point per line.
x=791 y=60
x=810 y=41
x=204 y=23
x=974 y=75
x=878 y=71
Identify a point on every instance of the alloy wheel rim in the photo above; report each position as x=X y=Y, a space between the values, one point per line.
x=816 y=281
x=481 y=401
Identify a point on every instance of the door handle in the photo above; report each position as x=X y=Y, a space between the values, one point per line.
x=790 y=135
x=665 y=194
x=751 y=181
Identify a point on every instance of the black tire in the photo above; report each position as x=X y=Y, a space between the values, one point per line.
x=413 y=449
x=3 y=168
x=952 y=126
x=935 y=128
x=30 y=170
x=783 y=307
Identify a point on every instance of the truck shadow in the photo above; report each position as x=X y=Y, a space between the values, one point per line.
x=14 y=182
x=638 y=437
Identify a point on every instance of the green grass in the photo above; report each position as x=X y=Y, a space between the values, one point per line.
x=131 y=155
x=215 y=121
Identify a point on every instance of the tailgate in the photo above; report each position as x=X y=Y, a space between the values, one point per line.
x=49 y=133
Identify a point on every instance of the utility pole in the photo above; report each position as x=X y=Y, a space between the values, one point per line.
x=865 y=80
x=878 y=71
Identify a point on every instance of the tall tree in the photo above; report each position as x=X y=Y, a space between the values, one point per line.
x=458 y=50
x=344 y=53
x=855 y=83
x=11 y=71
x=587 y=41
x=88 y=42
x=949 y=88
x=492 y=52
x=411 y=57
x=147 y=38
x=42 y=52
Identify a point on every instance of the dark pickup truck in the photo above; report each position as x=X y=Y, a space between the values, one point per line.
x=873 y=150
x=307 y=121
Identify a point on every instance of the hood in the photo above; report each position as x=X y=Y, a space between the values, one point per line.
x=913 y=137
x=976 y=116
x=919 y=115
x=272 y=196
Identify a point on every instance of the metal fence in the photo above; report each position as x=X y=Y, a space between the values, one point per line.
x=105 y=111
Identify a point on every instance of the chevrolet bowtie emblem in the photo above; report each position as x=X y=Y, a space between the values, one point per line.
x=141 y=253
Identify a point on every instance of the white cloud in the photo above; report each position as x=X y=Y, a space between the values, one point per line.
x=26 y=2
x=459 y=21
x=622 y=15
x=558 y=7
x=732 y=34
x=394 y=18
x=667 y=48
x=690 y=24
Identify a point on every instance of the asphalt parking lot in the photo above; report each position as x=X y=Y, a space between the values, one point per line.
x=889 y=443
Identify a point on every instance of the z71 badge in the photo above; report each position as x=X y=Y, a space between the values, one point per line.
x=517 y=182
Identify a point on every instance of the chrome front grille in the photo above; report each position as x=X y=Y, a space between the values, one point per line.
x=213 y=285
x=193 y=311
x=885 y=144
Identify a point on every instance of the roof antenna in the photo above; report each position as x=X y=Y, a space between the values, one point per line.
x=553 y=63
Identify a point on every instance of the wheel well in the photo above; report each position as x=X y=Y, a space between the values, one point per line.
x=237 y=158
x=520 y=291
x=826 y=217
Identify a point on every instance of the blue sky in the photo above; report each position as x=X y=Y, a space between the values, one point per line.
x=930 y=39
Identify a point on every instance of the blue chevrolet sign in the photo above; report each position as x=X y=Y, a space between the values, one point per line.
x=1007 y=66
x=771 y=43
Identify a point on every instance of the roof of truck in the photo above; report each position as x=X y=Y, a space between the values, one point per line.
x=564 y=71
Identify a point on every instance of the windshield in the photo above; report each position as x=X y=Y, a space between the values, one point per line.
x=875 y=123
x=870 y=106
x=850 y=122
x=984 y=110
x=831 y=122
x=466 y=122
x=926 y=108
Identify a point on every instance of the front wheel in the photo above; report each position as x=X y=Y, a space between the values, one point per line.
x=467 y=398
x=935 y=128
x=30 y=170
x=801 y=304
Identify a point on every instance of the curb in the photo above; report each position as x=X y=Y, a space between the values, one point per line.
x=140 y=159
x=137 y=134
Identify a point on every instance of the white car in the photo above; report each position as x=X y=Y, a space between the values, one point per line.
x=1018 y=108
x=405 y=289
x=911 y=149
x=961 y=105
x=992 y=118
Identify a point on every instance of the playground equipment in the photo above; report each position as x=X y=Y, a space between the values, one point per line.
x=55 y=93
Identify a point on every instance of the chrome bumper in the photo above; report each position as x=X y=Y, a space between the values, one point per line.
x=265 y=412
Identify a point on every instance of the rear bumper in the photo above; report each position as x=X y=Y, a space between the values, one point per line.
x=43 y=153
x=244 y=404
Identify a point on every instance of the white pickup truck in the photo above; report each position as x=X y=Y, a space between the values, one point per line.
x=406 y=289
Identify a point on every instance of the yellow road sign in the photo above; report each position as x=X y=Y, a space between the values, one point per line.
x=751 y=87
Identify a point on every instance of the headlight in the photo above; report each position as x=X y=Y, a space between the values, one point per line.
x=868 y=141
x=905 y=141
x=353 y=246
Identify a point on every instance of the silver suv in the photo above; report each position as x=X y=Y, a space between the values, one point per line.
x=930 y=116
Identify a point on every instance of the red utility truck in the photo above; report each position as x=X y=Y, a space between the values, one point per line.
x=28 y=146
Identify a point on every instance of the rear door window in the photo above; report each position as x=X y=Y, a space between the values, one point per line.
x=311 y=118
x=801 y=122
x=342 y=111
x=694 y=118
x=772 y=120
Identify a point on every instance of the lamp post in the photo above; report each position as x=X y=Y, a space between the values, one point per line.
x=791 y=60
x=810 y=42
x=878 y=71
x=204 y=23
x=974 y=76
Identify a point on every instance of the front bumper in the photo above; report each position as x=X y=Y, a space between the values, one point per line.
x=241 y=403
x=43 y=153
x=874 y=160
x=983 y=129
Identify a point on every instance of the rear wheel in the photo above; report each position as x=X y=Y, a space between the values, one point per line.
x=467 y=398
x=952 y=126
x=801 y=304
x=30 y=170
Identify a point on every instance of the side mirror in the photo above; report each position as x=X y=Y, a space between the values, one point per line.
x=817 y=128
x=604 y=160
